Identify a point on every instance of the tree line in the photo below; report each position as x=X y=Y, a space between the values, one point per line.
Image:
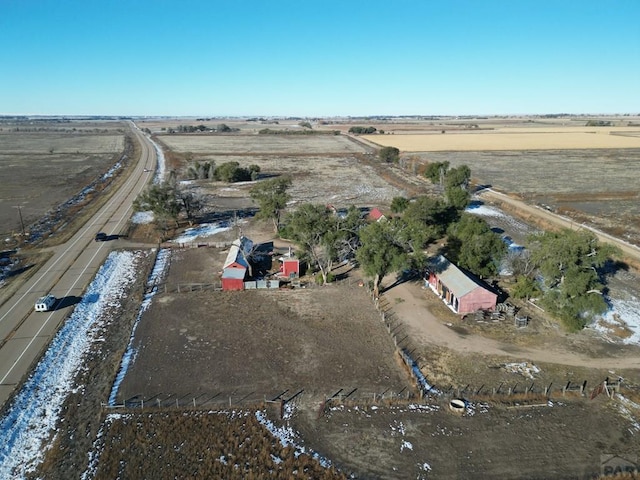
x=362 y=130
x=220 y=128
x=306 y=131
x=229 y=172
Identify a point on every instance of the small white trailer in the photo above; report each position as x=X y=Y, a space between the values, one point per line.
x=46 y=303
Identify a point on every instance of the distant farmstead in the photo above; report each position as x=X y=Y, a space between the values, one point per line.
x=236 y=267
x=460 y=291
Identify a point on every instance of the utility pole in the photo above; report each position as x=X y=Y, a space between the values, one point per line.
x=19 y=207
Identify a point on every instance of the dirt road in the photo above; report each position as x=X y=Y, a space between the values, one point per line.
x=409 y=302
x=631 y=252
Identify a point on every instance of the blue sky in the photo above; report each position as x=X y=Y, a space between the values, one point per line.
x=319 y=58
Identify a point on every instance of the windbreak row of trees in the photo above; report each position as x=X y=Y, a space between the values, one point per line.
x=229 y=172
x=306 y=131
x=362 y=130
x=220 y=128
x=454 y=181
x=326 y=238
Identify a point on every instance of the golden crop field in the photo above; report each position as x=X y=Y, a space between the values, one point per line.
x=536 y=138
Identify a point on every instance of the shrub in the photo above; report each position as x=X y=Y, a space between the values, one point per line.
x=389 y=154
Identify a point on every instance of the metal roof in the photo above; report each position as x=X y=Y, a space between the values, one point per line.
x=452 y=277
x=237 y=273
x=239 y=252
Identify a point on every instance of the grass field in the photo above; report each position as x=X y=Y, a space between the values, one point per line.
x=561 y=138
x=324 y=169
x=42 y=169
x=43 y=143
x=260 y=144
x=596 y=186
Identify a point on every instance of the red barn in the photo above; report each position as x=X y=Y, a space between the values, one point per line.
x=236 y=266
x=461 y=292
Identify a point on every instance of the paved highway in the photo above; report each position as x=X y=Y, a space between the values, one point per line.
x=24 y=333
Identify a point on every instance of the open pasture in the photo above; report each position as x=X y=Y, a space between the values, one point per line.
x=160 y=126
x=505 y=139
x=598 y=186
x=40 y=170
x=324 y=169
x=339 y=180
x=261 y=144
x=550 y=172
x=44 y=143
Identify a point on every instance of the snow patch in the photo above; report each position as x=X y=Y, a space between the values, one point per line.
x=140 y=218
x=202 y=231
x=623 y=314
x=31 y=418
x=288 y=437
x=407 y=445
x=525 y=369
x=158 y=272
x=630 y=410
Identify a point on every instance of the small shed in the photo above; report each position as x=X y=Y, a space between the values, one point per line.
x=462 y=292
x=376 y=215
x=236 y=266
x=290 y=267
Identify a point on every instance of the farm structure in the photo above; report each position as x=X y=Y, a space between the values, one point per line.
x=459 y=290
x=236 y=266
x=289 y=267
x=376 y=215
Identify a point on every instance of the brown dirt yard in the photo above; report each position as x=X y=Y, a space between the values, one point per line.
x=255 y=344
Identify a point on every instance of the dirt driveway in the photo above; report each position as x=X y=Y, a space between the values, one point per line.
x=409 y=300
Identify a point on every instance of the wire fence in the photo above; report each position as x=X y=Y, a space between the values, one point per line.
x=517 y=393
x=503 y=392
x=237 y=399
